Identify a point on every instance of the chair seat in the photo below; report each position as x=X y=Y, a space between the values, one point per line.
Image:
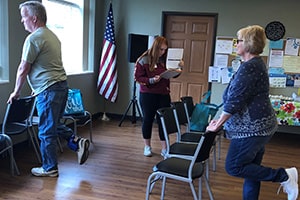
x=191 y=137
x=184 y=149
x=180 y=167
x=81 y=119
x=14 y=129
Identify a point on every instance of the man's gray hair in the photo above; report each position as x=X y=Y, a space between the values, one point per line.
x=35 y=8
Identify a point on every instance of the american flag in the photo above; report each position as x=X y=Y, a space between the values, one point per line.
x=107 y=84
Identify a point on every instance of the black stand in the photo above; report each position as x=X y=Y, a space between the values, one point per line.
x=134 y=105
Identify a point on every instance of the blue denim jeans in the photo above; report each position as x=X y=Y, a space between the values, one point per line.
x=244 y=159
x=50 y=105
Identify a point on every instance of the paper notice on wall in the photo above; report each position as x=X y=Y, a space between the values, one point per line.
x=276 y=58
x=214 y=74
x=224 y=46
x=292 y=46
x=221 y=60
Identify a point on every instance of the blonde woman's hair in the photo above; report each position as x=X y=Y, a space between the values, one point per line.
x=254 y=38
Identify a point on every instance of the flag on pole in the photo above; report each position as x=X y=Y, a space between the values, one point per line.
x=107 y=84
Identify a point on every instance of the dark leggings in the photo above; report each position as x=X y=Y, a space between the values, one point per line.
x=149 y=104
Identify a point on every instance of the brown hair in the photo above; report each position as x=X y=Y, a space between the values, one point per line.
x=153 y=52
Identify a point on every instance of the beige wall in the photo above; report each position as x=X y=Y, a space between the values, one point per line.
x=144 y=17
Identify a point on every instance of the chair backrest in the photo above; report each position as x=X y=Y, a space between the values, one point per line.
x=202 y=151
x=180 y=111
x=169 y=123
x=182 y=115
x=209 y=139
x=18 y=111
x=189 y=104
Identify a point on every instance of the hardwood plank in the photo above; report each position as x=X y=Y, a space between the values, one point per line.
x=117 y=169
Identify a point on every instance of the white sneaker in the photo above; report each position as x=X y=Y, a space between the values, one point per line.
x=147 y=151
x=83 y=150
x=291 y=185
x=39 y=171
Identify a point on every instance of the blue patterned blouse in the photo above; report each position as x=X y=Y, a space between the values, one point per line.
x=246 y=98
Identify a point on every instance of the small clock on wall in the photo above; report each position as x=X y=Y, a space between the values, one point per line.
x=275 y=30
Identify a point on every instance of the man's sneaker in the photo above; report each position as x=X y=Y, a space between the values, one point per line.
x=163 y=152
x=147 y=151
x=39 y=171
x=291 y=185
x=83 y=150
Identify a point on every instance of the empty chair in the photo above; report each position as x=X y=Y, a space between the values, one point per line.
x=183 y=120
x=189 y=107
x=16 y=125
x=170 y=128
x=185 y=169
x=171 y=119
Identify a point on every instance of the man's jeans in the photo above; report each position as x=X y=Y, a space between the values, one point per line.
x=50 y=106
x=244 y=159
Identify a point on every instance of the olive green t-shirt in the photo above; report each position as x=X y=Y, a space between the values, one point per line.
x=42 y=49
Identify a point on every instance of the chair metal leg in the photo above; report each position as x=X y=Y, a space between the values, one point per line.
x=157 y=177
x=35 y=144
x=150 y=184
x=200 y=188
x=207 y=169
x=193 y=190
x=163 y=186
x=219 y=147
x=214 y=157
x=59 y=145
x=13 y=165
x=91 y=129
x=208 y=189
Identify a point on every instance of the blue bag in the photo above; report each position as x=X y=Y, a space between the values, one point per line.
x=74 y=103
x=203 y=113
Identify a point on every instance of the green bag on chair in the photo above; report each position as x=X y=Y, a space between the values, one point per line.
x=203 y=113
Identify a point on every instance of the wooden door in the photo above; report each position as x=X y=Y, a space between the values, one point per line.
x=195 y=33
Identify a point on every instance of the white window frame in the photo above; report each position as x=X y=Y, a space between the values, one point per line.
x=87 y=41
x=4 y=68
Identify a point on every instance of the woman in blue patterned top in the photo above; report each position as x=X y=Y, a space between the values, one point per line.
x=249 y=120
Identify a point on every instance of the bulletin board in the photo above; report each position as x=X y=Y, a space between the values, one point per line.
x=281 y=57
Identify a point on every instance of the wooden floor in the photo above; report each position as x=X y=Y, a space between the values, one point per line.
x=116 y=169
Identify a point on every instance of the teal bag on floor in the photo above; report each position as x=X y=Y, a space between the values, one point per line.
x=203 y=113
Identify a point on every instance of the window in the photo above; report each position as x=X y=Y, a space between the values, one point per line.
x=3 y=41
x=70 y=20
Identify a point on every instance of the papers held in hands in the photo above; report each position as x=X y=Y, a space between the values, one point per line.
x=173 y=58
x=170 y=73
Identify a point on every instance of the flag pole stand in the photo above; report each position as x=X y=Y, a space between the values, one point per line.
x=104 y=117
x=134 y=103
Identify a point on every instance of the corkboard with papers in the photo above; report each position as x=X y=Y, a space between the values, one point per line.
x=281 y=57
